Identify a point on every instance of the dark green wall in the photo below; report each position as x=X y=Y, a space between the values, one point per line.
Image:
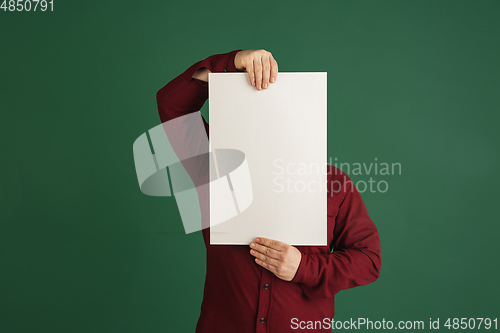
x=410 y=82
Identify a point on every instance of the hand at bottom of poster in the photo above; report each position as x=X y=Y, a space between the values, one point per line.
x=279 y=258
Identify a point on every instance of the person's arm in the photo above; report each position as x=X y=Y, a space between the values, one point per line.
x=356 y=259
x=188 y=92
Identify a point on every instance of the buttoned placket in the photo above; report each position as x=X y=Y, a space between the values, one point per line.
x=265 y=300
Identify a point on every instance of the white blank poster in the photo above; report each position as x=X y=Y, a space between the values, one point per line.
x=282 y=132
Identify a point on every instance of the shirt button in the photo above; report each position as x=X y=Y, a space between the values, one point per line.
x=226 y=69
x=266 y=286
x=262 y=320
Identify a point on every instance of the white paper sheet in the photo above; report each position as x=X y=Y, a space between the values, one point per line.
x=282 y=132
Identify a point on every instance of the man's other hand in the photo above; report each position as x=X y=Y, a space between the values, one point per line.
x=260 y=65
x=277 y=257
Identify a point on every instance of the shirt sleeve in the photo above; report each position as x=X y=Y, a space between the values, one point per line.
x=355 y=260
x=184 y=94
x=187 y=137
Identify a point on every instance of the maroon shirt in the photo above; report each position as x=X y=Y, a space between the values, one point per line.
x=241 y=296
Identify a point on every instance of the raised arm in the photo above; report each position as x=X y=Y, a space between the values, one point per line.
x=188 y=92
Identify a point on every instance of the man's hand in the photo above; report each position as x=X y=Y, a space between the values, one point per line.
x=279 y=258
x=260 y=66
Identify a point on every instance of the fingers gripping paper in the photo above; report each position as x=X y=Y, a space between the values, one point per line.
x=282 y=133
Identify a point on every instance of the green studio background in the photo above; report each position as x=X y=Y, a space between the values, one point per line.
x=410 y=82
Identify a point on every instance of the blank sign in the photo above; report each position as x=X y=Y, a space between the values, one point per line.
x=282 y=132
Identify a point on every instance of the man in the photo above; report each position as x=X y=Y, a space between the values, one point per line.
x=270 y=285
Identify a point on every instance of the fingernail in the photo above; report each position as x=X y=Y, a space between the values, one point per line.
x=265 y=86
x=259 y=87
x=257 y=239
x=272 y=79
x=253 y=83
x=252 y=244
x=252 y=251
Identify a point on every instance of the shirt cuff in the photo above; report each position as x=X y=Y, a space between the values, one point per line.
x=220 y=63
x=302 y=275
